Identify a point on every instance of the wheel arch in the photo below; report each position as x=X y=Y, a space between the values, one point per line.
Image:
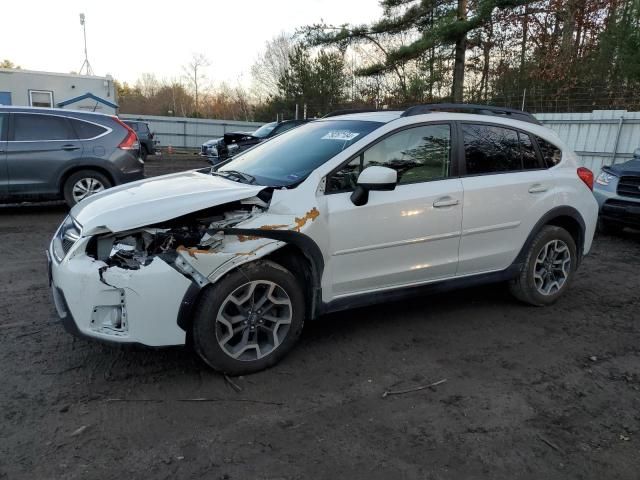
x=77 y=168
x=299 y=254
x=565 y=217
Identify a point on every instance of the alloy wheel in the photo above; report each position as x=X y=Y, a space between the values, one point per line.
x=253 y=320
x=552 y=267
x=85 y=187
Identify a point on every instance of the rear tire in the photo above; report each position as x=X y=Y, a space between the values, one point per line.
x=548 y=269
x=83 y=184
x=250 y=319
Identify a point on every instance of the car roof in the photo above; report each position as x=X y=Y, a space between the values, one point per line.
x=56 y=111
x=435 y=116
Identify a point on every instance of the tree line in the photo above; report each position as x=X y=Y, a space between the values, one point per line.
x=551 y=55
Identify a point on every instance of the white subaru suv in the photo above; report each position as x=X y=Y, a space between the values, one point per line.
x=345 y=211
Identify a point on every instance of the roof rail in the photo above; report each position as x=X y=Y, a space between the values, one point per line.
x=349 y=111
x=471 y=108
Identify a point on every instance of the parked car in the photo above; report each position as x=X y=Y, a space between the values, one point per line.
x=617 y=190
x=230 y=144
x=342 y=212
x=48 y=153
x=146 y=137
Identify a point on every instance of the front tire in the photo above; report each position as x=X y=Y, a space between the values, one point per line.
x=250 y=319
x=549 y=267
x=83 y=184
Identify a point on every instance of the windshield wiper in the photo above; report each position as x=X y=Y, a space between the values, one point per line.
x=245 y=177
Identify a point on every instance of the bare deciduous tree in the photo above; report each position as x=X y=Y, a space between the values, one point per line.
x=195 y=75
x=269 y=68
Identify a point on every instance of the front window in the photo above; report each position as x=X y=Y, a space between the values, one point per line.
x=418 y=154
x=41 y=98
x=265 y=130
x=289 y=158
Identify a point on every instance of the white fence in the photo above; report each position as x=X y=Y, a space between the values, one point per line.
x=599 y=138
x=190 y=133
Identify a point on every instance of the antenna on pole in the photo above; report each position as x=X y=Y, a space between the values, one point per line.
x=85 y=65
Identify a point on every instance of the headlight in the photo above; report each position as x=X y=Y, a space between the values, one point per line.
x=604 y=178
x=68 y=233
x=213 y=151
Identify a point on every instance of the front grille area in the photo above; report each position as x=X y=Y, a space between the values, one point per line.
x=629 y=187
x=203 y=150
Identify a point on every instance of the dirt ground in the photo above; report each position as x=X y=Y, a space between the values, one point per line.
x=549 y=393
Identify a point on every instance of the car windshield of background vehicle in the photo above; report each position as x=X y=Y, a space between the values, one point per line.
x=265 y=130
x=289 y=158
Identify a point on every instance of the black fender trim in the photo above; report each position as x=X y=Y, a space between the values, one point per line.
x=547 y=218
x=307 y=246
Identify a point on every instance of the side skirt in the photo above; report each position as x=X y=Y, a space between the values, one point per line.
x=373 y=298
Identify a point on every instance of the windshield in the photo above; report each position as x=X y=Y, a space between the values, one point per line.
x=265 y=130
x=287 y=159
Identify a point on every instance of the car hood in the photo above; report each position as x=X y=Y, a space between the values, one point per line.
x=213 y=141
x=630 y=167
x=157 y=199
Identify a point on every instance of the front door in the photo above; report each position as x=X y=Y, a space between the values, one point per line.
x=39 y=148
x=402 y=237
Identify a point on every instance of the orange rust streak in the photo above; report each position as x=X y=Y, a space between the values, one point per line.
x=310 y=215
x=192 y=251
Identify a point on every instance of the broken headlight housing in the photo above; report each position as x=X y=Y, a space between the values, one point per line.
x=68 y=233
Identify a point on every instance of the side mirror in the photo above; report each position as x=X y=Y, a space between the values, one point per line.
x=373 y=178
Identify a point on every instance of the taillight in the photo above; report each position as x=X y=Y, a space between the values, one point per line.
x=130 y=142
x=586 y=176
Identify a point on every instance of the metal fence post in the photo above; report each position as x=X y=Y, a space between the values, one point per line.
x=615 y=145
x=184 y=131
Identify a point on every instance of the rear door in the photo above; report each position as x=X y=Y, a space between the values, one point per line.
x=4 y=177
x=39 y=147
x=507 y=190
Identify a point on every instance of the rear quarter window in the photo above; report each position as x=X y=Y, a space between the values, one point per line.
x=551 y=154
x=85 y=130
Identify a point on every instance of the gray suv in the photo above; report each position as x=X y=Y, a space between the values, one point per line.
x=50 y=153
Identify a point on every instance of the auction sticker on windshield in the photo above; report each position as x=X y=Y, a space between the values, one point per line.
x=343 y=135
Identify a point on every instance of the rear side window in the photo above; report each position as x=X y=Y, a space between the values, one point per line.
x=86 y=130
x=489 y=149
x=143 y=128
x=550 y=153
x=530 y=158
x=30 y=127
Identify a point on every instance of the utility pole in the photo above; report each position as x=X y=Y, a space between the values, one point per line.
x=85 y=65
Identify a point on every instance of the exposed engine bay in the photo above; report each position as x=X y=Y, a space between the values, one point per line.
x=200 y=232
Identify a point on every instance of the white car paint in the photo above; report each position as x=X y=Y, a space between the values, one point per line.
x=416 y=234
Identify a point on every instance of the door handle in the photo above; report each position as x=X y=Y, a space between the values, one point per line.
x=446 y=202
x=70 y=148
x=537 y=188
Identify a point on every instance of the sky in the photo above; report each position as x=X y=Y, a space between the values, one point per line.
x=128 y=38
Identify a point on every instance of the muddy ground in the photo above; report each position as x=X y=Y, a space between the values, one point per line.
x=548 y=393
